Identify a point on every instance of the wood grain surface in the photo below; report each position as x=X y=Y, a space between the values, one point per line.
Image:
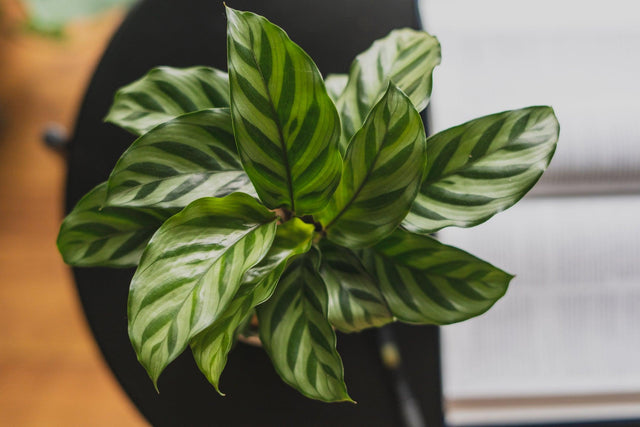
x=51 y=372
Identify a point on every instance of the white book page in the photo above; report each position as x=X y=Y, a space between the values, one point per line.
x=580 y=57
x=570 y=321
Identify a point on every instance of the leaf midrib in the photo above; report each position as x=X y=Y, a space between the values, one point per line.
x=306 y=308
x=276 y=119
x=469 y=164
x=137 y=187
x=118 y=233
x=364 y=181
x=420 y=270
x=178 y=175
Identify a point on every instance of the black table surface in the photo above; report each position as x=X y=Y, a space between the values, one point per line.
x=193 y=32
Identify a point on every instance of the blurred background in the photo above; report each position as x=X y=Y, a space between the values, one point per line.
x=51 y=372
x=562 y=345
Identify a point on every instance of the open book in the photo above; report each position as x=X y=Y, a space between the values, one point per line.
x=564 y=343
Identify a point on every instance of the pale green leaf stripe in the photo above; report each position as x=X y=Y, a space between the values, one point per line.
x=355 y=302
x=211 y=347
x=298 y=337
x=190 y=272
x=108 y=236
x=335 y=84
x=383 y=168
x=189 y=157
x=425 y=281
x=166 y=92
x=407 y=57
x=286 y=126
x=482 y=167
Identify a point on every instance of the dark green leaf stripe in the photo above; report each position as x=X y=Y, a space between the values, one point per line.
x=383 y=169
x=164 y=93
x=287 y=128
x=425 y=281
x=482 y=167
x=108 y=236
x=211 y=347
x=406 y=57
x=355 y=302
x=190 y=272
x=297 y=335
x=189 y=157
x=335 y=84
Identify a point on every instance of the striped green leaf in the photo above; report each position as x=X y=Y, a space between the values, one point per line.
x=211 y=347
x=355 y=301
x=286 y=126
x=189 y=157
x=425 y=281
x=406 y=57
x=335 y=84
x=298 y=337
x=383 y=169
x=190 y=272
x=166 y=92
x=482 y=167
x=107 y=236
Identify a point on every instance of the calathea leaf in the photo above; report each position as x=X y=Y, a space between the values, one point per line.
x=297 y=336
x=189 y=157
x=211 y=346
x=482 y=167
x=335 y=84
x=425 y=281
x=355 y=302
x=190 y=272
x=108 y=236
x=383 y=169
x=286 y=126
x=166 y=92
x=406 y=57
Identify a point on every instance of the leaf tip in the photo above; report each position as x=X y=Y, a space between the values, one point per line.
x=153 y=374
x=155 y=384
x=231 y=12
x=346 y=398
x=219 y=391
x=344 y=395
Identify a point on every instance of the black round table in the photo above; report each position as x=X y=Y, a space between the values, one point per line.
x=193 y=32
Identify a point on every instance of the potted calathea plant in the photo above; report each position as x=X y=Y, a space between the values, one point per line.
x=308 y=204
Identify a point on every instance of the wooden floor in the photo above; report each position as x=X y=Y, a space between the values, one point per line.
x=51 y=372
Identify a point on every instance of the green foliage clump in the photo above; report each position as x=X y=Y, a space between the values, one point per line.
x=308 y=202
